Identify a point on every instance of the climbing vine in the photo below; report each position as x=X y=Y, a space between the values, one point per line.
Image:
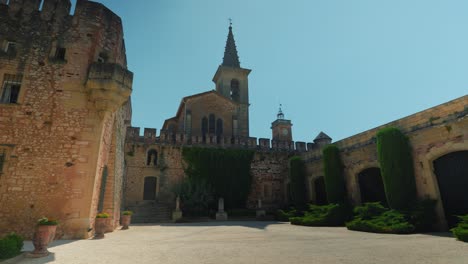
x=226 y=171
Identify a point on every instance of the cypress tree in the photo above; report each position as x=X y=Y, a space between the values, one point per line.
x=333 y=171
x=297 y=181
x=396 y=166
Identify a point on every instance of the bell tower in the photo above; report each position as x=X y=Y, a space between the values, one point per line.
x=281 y=128
x=232 y=82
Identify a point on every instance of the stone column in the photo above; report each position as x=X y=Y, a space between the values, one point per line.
x=177 y=213
x=221 y=215
x=260 y=212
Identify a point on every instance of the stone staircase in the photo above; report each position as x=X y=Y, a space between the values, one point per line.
x=150 y=212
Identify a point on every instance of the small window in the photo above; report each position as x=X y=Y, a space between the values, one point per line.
x=211 y=124
x=102 y=57
x=10 y=47
x=60 y=53
x=10 y=89
x=2 y=159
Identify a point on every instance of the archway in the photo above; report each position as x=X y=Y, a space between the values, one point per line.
x=149 y=190
x=371 y=186
x=452 y=176
x=320 y=191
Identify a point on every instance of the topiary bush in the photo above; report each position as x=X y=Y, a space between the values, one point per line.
x=373 y=217
x=297 y=177
x=10 y=246
x=396 y=165
x=334 y=180
x=324 y=215
x=461 y=230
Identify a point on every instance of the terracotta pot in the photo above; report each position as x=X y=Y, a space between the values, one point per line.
x=125 y=221
x=43 y=235
x=100 y=227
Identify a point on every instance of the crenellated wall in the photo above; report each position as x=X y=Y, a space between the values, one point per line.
x=432 y=133
x=70 y=117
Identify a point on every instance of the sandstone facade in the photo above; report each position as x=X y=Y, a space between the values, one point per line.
x=63 y=115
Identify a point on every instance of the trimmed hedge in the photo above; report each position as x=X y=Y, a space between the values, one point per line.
x=461 y=230
x=325 y=215
x=334 y=180
x=10 y=246
x=373 y=217
x=297 y=181
x=396 y=165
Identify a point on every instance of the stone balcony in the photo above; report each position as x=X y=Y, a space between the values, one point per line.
x=109 y=86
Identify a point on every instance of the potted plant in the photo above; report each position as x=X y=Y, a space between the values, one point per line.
x=126 y=218
x=44 y=234
x=100 y=225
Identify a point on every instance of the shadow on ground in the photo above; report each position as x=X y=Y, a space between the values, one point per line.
x=249 y=224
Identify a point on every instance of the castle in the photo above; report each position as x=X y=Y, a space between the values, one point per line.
x=68 y=151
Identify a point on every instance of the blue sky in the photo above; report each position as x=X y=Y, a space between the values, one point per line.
x=338 y=66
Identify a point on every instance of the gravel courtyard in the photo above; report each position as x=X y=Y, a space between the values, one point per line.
x=255 y=243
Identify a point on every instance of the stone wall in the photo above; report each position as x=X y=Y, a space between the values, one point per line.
x=68 y=121
x=433 y=132
x=269 y=168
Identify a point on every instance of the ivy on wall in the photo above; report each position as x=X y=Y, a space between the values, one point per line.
x=334 y=179
x=298 y=192
x=226 y=171
x=396 y=165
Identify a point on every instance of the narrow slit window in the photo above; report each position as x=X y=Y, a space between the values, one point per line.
x=60 y=53
x=2 y=159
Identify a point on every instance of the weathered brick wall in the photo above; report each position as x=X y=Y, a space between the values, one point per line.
x=57 y=137
x=434 y=132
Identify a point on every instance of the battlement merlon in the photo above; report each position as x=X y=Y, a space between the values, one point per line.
x=210 y=140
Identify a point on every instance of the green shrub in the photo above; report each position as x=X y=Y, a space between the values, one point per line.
x=127 y=213
x=324 y=215
x=10 y=246
x=196 y=197
x=284 y=215
x=461 y=230
x=396 y=165
x=422 y=214
x=45 y=221
x=333 y=170
x=102 y=215
x=373 y=217
x=297 y=177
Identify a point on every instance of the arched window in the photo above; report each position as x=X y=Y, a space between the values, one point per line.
x=219 y=127
x=212 y=128
x=204 y=127
x=235 y=90
x=152 y=158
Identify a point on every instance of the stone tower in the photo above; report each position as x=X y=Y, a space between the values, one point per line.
x=281 y=128
x=232 y=82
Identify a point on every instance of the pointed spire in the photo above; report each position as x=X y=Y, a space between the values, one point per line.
x=231 y=59
x=280 y=114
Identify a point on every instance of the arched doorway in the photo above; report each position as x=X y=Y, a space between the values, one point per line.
x=320 y=191
x=149 y=190
x=452 y=176
x=371 y=186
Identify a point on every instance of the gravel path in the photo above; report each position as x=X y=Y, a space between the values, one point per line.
x=255 y=243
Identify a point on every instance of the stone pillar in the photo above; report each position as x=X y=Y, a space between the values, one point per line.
x=177 y=213
x=221 y=215
x=260 y=212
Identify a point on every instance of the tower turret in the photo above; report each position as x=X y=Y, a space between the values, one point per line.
x=281 y=128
